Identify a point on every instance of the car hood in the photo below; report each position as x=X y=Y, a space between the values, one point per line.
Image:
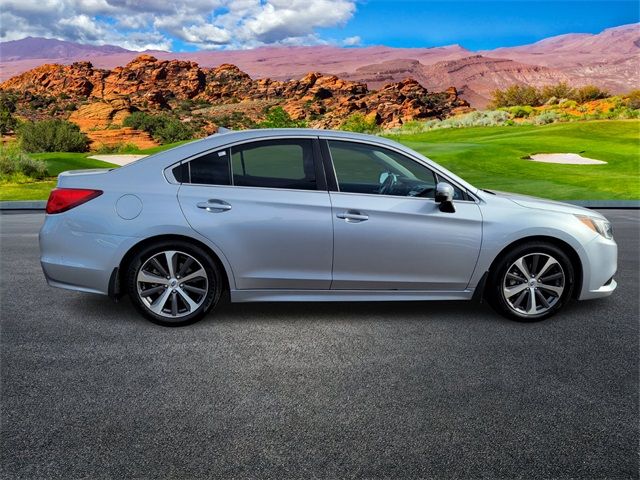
x=544 y=204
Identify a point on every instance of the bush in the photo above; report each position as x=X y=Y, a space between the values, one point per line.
x=517 y=95
x=15 y=163
x=163 y=128
x=521 y=111
x=589 y=93
x=560 y=90
x=8 y=123
x=52 y=136
x=277 y=117
x=360 y=124
x=546 y=117
x=632 y=100
x=118 y=148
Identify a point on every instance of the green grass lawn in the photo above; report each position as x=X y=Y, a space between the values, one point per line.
x=492 y=158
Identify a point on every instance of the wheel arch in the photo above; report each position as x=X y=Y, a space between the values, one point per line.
x=573 y=255
x=118 y=276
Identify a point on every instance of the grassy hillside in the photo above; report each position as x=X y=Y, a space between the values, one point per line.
x=492 y=157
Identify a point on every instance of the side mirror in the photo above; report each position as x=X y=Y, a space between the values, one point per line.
x=444 y=196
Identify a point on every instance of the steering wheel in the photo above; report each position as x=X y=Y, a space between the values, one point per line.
x=388 y=184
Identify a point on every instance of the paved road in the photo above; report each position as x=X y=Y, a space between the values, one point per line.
x=440 y=390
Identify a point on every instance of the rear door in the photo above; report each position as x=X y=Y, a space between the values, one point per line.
x=265 y=205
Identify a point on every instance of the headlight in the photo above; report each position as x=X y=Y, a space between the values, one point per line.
x=598 y=225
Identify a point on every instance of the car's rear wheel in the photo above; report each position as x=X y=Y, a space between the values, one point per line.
x=531 y=282
x=173 y=283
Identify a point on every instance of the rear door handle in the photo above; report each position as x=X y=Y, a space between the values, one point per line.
x=352 y=216
x=214 y=206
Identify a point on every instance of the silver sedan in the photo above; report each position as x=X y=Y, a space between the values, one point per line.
x=314 y=215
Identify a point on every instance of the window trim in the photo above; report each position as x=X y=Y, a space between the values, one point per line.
x=333 y=177
x=321 y=178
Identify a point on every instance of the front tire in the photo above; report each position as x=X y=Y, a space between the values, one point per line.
x=173 y=283
x=531 y=282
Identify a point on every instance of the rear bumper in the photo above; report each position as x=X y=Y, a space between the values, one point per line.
x=600 y=268
x=79 y=261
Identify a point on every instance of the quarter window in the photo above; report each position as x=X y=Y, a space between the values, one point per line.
x=211 y=169
x=286 y=163
x=370 y=169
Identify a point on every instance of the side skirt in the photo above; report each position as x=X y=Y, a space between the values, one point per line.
x=240 y=296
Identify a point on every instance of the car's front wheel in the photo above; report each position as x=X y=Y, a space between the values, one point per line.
x=531 y=282
x=173 y=283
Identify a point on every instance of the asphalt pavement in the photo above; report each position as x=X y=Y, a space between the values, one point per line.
x=395 y=390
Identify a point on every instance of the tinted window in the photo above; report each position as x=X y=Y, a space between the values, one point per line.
x=274 y=164
x=210 y=169
x=370 y=169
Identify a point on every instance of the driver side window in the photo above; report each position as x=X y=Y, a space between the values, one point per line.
x=370 y=169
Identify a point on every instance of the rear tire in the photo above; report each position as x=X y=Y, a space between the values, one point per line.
x=173 y=283
x=531 y=282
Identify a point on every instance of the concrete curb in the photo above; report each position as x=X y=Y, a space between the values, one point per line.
x=594 y=204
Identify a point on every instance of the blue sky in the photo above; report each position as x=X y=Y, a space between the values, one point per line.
x=186 y=25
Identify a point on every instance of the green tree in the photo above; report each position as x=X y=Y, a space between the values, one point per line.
x=589 y=93
x=163 y=128
x=8 y=122
x=516 y=95
x=277 y=117
x=559 y=90
x=357 y=122
x=52 y=136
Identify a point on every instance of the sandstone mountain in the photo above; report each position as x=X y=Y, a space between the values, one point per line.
x=610 y=59
x=106 y=97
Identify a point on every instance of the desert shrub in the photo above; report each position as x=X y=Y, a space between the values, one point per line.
x=589 y=93
x=357 y=122
x=559 y=90
x=483 y=118
x=524 y=111
x=52 y=136
x=163 y=128
x=277 y=117
x=17 y=165
x=546 y=117
x=632 y=99
x=516 y=95
x=235 y=121
x=8 y=122
x=566 y=103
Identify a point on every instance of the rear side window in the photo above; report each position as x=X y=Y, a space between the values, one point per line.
x=286 y=163
x=211 y=169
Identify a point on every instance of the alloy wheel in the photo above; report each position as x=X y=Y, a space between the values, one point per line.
x=533 y=284
x=172 y=284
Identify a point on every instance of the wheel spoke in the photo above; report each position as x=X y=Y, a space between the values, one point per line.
x=151 y=291
x=146 y=277
x=170 y=256
x=174 y=304
x=200 y=273
x=189 y=288
x=534 y=263
x=185 y=266
x=519 y=300
x=557 y=290
x=523 y=267
x=154 y=261
x=513 y=276
x=159 y=303
x=511 y=291
x=550 y=262
x=545 y=304
x=185 y=296
x=533 y=308
x=554 y=276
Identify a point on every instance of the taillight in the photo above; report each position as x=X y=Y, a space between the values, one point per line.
x=63 y=199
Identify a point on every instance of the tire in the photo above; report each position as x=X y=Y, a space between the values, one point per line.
x=536 y=270
x=173 y=283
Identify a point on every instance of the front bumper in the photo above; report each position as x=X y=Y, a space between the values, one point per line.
x=599 y=269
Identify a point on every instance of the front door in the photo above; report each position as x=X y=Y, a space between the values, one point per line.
x=389 y=234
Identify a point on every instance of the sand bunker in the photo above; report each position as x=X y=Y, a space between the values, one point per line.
x=567 y=158
x=118 y=159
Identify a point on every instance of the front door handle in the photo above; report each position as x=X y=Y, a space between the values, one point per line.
x=352 y=216
x=214 y=206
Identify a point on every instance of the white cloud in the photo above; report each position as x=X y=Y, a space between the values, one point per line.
x=352 y=41
x=146 y=24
